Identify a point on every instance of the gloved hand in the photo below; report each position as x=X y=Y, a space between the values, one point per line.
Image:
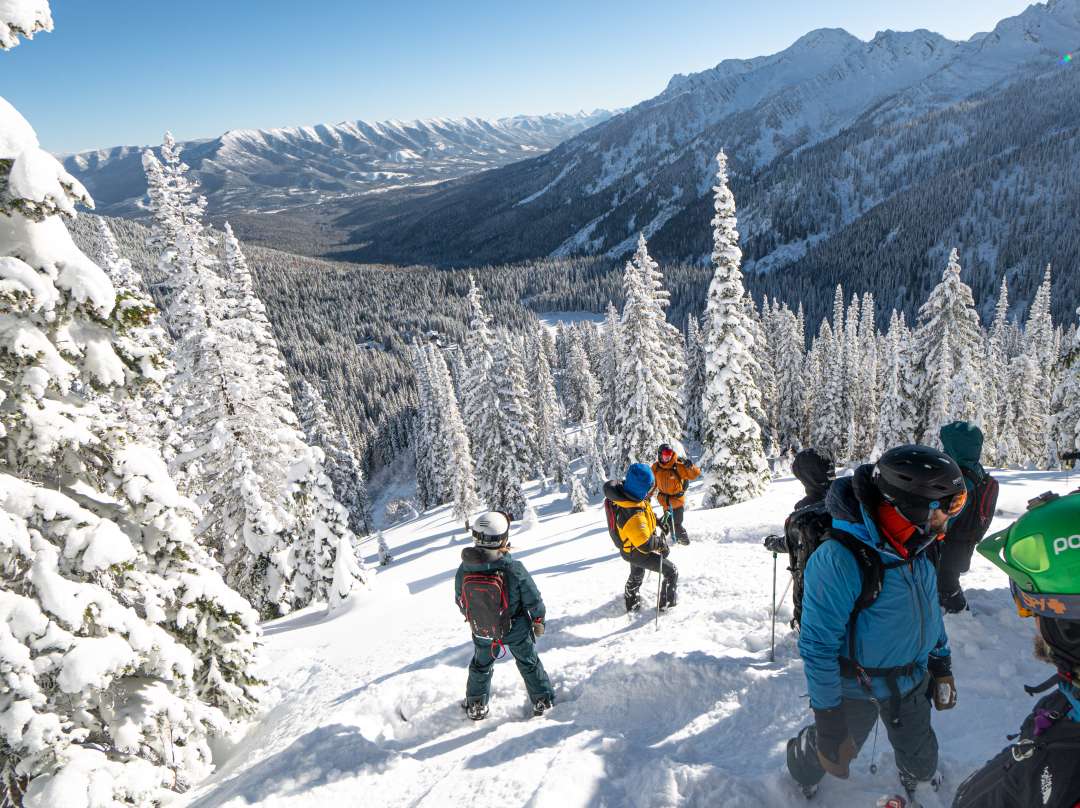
x=835 y=747
x=538 y=628
x=942 y=684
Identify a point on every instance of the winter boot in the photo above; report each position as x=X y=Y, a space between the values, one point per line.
x=669 y=598
x=633 y=602
x=682 y=537
x=541 y=705
x=911 y=784
x=476 y=710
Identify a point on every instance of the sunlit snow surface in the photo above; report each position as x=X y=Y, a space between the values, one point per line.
x=363 y=708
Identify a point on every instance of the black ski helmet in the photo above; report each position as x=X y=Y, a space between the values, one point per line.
x=917 y=479
x=1063 y=637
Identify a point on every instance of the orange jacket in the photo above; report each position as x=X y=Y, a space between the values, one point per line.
x=671 y=481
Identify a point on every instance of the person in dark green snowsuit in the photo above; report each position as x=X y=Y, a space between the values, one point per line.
x=491 y=553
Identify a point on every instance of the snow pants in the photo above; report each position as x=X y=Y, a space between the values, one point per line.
x=914 y=743
x=677 y=515
x=519 y=642
x=640 y=563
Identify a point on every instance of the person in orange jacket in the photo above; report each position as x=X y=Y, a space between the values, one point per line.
x=673 y=474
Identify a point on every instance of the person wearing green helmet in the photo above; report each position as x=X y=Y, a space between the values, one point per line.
x=1040 y=553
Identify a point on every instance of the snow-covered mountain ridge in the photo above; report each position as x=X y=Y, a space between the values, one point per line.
x=266 y=169
x=819 y=134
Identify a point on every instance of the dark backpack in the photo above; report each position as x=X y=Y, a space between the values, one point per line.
x=806 y=530
x=973 y=522
x=486 y=605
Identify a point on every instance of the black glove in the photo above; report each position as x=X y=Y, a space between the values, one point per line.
x=835 y=747
x=776 y=544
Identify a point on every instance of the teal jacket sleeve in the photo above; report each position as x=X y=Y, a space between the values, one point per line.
x=457 y=588
x=831 y=585
x=531 y=601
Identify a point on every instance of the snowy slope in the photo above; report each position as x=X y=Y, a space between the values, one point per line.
x=266 y=169
x=363 y=707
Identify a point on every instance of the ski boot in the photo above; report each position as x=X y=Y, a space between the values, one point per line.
x=911 y=784
x=541 y=706
x=476 y=710
x=669 y=599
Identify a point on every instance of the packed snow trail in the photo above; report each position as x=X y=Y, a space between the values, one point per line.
x=363 y=707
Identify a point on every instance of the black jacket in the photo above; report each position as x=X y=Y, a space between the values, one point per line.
x=1033 y=771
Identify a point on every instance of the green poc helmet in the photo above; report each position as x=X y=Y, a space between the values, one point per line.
x=1040 y=552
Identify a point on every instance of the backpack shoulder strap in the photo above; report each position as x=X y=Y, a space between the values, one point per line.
x=872 y=569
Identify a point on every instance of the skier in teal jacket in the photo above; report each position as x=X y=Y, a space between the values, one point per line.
x=524 y=608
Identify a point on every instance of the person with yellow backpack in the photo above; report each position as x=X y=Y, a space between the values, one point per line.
x=633 y=529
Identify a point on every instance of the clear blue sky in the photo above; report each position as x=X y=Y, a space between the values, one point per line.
x=122 y=71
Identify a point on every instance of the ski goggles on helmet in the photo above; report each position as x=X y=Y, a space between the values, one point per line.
x=951 y=505
x=1061 y=607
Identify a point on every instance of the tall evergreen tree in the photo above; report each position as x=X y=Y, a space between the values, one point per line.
x=997 y=371
x=948 y=320
x=582 y=390
x=896 y=424
x=610 y=384
x=733 y=460
x=790 y=360
x=341 y=464
x=1067 y=399
x=100 y=577
x=549 y=420
x=456 y=470
x=829 y=417
x=695 y=379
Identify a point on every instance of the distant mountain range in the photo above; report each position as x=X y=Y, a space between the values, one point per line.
x=267 y=170
x=852 y=161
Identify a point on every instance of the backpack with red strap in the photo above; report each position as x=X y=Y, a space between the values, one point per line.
x=487 y=606
x=973 y=522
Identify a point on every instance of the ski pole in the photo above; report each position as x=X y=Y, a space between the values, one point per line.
x=772 y=640
x=659 y=589
x=873 y=752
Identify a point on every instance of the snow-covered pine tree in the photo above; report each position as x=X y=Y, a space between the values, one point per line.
x=456 y=465
x=671 y=342
x=764 y=375
x=647 y=413
x=694 y=387
x=425 y=435
x=948 y=318
x=790 y=360
x=596 y=458
x=321 y=532
x=579 y=500
x=609 y=368
x=99 y=575
x=896 y=424
x=582 y=391
x=1029 y=401
x=939 y=378
x=239 y=434
x=1066 y=427
x=867 y=392
x=549 y=420
x=341 y=464
x=501 y=446
x=385 y=556
x=997 y=372
x=349 y=576
x=479 y=342
x=733 y=461
x=1039 y=339
x=828 y=431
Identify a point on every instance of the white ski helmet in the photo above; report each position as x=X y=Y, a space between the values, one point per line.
x=491 y=529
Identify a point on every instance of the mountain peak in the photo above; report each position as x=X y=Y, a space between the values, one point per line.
x=824 y=38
